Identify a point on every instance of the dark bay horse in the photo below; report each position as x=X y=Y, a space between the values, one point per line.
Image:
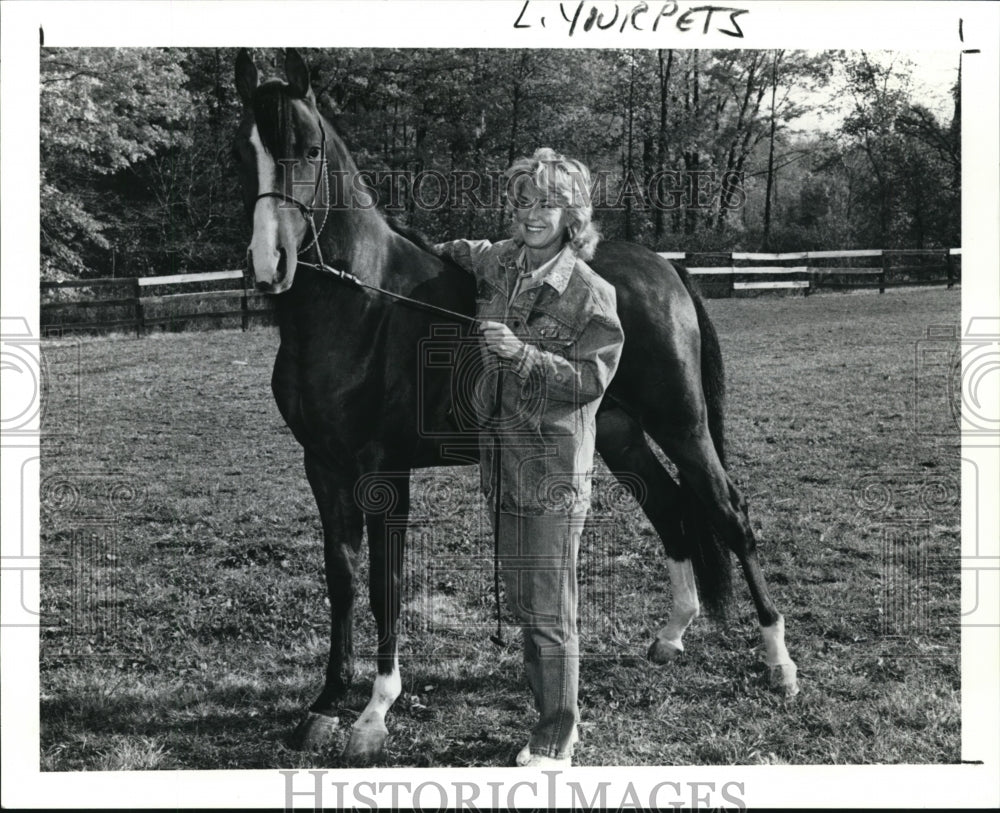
x=349 y=384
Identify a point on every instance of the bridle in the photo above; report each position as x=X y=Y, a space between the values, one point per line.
x=308 y=211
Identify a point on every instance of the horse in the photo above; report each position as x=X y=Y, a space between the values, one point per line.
x=349 y=384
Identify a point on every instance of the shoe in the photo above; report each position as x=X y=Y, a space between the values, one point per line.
x=524 y=756
x=538 y=761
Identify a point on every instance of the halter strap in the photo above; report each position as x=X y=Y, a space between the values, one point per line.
x=308 y=211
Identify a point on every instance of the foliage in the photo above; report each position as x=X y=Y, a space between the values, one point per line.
x=136 y=175
x=103 y=112
x=908 y=192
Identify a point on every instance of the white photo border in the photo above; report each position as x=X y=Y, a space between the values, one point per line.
x=452 y=23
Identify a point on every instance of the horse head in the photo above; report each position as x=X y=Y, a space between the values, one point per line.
x=281 y=147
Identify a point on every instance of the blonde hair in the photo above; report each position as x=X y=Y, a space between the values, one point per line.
x=568 y=181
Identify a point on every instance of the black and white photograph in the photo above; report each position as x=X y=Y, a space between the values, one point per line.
x=515 y=404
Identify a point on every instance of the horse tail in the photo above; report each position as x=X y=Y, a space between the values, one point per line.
x=709 y=554
x=713 y=375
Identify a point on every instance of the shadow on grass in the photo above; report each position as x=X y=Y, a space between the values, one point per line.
x=248 y=725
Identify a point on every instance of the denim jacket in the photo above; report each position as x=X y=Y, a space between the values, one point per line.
x=551 y=392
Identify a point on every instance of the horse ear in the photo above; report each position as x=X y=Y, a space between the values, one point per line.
x=246 y=76
x=297 y=73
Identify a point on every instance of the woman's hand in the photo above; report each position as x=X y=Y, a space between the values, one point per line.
x=501 y=340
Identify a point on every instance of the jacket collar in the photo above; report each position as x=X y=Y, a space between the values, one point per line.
x=557 y=276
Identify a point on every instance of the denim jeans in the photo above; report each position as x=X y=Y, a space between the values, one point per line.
x=538 y=554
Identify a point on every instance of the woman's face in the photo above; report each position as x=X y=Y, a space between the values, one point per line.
x=541 y=220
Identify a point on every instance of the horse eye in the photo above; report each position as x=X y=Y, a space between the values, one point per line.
x=314 y=153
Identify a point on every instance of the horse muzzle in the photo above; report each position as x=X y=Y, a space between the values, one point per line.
x=280 y=280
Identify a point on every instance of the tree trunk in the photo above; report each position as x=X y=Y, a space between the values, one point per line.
x=766 y=242
x=692 y=158
x=661 y=148
x=519 y=73
x=629 y=136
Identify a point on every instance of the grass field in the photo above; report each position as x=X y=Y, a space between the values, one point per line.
x=185 y=622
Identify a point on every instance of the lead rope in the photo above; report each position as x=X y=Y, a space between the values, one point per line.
x=497 y=639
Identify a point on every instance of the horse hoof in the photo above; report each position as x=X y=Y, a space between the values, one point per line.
x=366 y=744
x=315 y=731
x=661 y=651
x=782 y=678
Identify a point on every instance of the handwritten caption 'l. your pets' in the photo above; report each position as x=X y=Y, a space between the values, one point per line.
x=639 y=17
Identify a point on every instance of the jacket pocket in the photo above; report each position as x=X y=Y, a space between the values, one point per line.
x=551 y=333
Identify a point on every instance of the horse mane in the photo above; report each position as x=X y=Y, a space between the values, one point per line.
x=270 y=110
x=415 y=236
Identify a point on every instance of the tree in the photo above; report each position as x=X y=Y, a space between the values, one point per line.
x=137 y=176
x=914 y=160
x=102 y=111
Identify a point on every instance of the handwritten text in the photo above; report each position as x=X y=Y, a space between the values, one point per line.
x=640 y=17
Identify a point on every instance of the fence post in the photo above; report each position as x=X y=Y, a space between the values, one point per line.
x=885 y=270
x=951 y=268
x=244 y=306
x=139 y=317
x=732 y=276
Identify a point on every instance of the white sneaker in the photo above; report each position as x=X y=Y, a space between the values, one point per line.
x=525 y=759
x=538 y=761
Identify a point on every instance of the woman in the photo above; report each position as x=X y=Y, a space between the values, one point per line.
x=551 y=332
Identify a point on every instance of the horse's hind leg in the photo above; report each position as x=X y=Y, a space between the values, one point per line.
x=342 y=526
x=386 y=500
x=622 y=444
x=696 y=458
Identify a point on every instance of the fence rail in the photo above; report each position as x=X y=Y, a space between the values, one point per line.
x=742 y=273
x=180 y=300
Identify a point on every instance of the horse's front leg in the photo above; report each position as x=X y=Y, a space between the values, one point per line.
x=386 y=500
x=342 y=530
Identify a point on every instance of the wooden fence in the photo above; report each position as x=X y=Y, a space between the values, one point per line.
x=745 y=274
x=141 y=304
x=223 y=298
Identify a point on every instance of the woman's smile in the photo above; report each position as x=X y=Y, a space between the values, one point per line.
x=542 y=230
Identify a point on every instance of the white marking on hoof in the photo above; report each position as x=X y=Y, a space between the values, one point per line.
x=661 y=651
x=366 y=743
x=668 y=644
x=369 y=733
x=783 y=679
x=782 y=669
